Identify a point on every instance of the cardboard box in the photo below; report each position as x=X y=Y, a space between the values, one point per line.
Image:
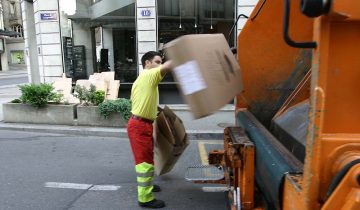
x=63 y=85
x=113 y=90
x=206 y=70
x=170 y=140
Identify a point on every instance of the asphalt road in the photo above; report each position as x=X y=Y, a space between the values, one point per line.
x=13 y=79
x=57 y=172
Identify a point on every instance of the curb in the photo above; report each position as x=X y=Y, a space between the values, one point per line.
x=100 y=131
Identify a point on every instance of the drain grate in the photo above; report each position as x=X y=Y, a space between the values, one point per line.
x=204 y=173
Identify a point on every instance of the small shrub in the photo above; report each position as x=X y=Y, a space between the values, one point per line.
x=97 y=97
x=89 y=97
x=38 y=95
x=80 y=93
x=121 y=105
x=16 y=101
x=58 y=98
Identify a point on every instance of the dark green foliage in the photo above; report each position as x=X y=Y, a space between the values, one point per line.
x=121 y=105
x=38 y=95
x=16 y=101
x=96 y=97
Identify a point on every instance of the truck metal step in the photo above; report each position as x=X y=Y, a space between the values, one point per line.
x=204 y=173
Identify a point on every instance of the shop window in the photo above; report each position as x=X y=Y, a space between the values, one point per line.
x=168 y=7
x=181 y=17
x=108 y=40
x=17 y=57
x=124 y=42
x=1 y=45
x=215 y=9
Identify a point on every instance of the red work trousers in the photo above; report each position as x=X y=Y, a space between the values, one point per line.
x=141 y=140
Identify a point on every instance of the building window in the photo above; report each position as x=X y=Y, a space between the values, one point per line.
x=18 y=28
x=12 y=8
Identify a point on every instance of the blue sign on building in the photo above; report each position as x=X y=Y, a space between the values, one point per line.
x=48 y=16
x=146 y=13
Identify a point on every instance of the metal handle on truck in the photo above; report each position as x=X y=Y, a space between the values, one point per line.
x=286 y=36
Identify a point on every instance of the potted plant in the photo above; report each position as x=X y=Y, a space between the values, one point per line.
x=92 y=108
x=121 y=106
x=39 y=103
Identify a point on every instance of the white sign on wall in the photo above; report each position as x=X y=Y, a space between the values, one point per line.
x=48 y=16
x=146 y=13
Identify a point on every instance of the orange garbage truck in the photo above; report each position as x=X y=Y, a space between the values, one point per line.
x=296 y=143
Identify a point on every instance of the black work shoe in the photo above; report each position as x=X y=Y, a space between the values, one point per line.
x=154 y=204
x=156 y=188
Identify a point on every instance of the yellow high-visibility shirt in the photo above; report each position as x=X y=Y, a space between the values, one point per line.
x=145 y=93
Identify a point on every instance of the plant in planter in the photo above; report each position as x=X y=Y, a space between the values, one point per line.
x=89 y=113
x=80 y=93
x=16 y=101
x=90 y=96
x=39 y=103
x=96 y=97
x=39 y=95
x=121 y=105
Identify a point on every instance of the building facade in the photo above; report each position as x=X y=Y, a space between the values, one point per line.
x=14 y=56
x=80 y=37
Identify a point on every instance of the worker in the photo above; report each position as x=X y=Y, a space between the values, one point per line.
x=144 y=99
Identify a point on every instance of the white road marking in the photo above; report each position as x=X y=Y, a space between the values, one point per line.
x=215 y=189
x=67 y=185
x=81 y=186
x=105 y=187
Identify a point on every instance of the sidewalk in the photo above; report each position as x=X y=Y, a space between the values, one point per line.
x=14 y=71
x=210 y=127
x=10 y=92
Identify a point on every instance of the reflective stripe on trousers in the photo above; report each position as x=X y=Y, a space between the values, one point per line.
x=145 y=174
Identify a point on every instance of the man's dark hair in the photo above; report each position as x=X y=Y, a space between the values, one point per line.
x=148 y=57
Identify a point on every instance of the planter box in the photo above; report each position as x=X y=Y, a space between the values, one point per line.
x=88 y=115
x=51 y=114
